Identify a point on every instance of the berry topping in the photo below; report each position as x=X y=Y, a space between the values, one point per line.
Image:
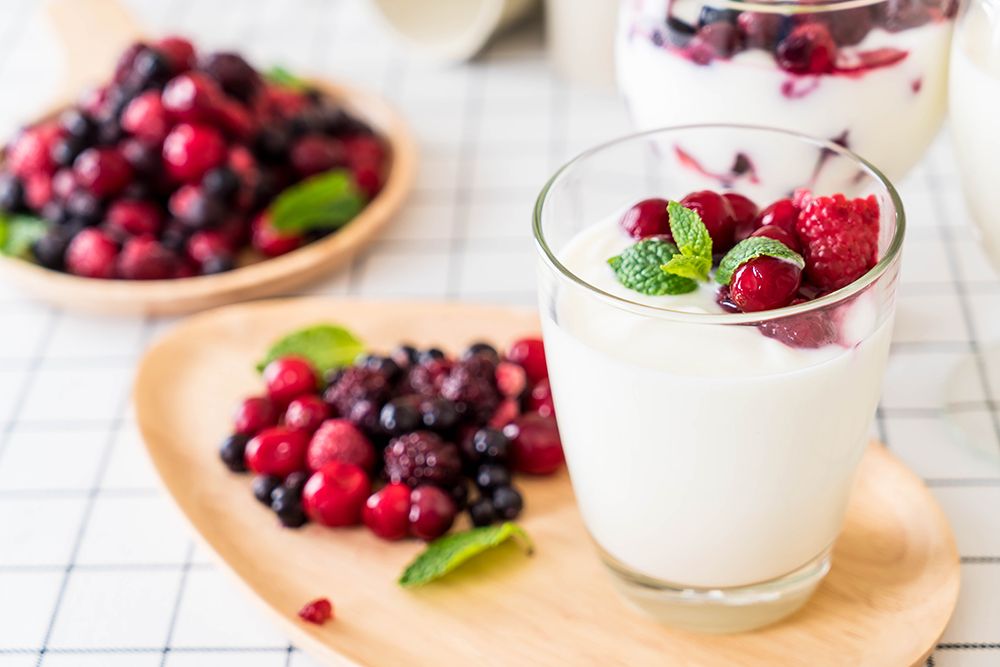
x=317 y=612
x=232 y=452
x=277 y=451
x=530 y=353
x=340 y=440
x=808 y=49
x=92 y=254
x=839 y=238
x=537 y=448
x=335 y=494
x=432 y=511
x=764 y=283
x=715 y=211
x=288 y=378
x=422 y=457
x=647 y=218
x=306 y=413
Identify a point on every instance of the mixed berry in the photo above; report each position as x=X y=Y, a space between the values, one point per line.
x=168 y=170
x=401 y=443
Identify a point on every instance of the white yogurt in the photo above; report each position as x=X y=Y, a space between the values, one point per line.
x=974 y=107
x=705 y=455
x=889 y=114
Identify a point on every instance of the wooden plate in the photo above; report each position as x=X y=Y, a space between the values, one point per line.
x=271 y=276
x=886 y=601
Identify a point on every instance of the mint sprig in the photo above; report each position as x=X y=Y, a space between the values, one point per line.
x=281 y=76
x=694 y=260
x=639 y=268
x=18 y=234
x=325 y=201
x=446 y=553
x=325 y=346
x=752 y=248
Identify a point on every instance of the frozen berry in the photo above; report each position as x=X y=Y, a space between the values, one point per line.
x=145 y=117
x=487 y=445
x=340 y=440
x=232 y=451
x=269 y=241
x=491 y=475
x=134 y=217
x=764 y=283
x=191 y=150
x=102 y=171
x=306 y=413
x=511 y=379
x=432 y=512
x=335 y=494
x=839 y=239
x=537 y=448
x=540 y=399
x=438 y=414
x=262 y=487
x=400 y=415
x=779 y=234
x=473 y=392
x=808 y=49
x=191 y=97
x=482 y=512
x=92 y=254
x=288 y=378
x=277 y=451
x=507 y=502
x=253 y=415
x=782 y=213
x=530 y=353
x=387 y=512
x=354 y=385
x=144 y=258
x=717 y=215
x=422 y=457
x=744 y=212
x=647 y=218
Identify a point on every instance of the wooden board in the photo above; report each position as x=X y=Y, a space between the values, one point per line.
x=268 y=277
x=892 y=588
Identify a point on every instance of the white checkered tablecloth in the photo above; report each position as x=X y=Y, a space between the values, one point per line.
x=97 y=569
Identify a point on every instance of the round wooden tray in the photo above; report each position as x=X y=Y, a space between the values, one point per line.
x=263 y=278
x=892 y=588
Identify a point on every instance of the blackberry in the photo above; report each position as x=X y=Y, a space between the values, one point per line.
x=232 y=450
x=492 y=476
x=423 y=458
x=356 y=384
x=438 y=414
x=472 y=389
x=400 y=415
x=507 y=502
x=482 y=512
x=426 y=377
x=263 y=486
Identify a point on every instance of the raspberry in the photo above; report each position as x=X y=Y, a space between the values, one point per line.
x=470 y=385
x=422 y=457
x=839 y=238
x=92 y=254
x=355 y=385
x=809 y=330
x=30 y=153
x=317 y=612
x=340 y=440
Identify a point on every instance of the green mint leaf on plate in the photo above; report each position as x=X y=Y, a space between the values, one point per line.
x=638 y=268
x=693 y=241
x=446 y=553
x=325 y=201
x=18 y=234
x=283 y=77
x=326 y=346
x=752 y=248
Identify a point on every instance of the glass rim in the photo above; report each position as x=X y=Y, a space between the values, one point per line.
x=792 y=6
x=837 y=296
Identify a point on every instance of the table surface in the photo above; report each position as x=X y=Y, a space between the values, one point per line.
x=97 y=568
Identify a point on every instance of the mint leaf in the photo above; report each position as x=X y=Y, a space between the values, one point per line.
x=283 y=77
x=693 y=241
x=325 y=201
x=446 y=553
x=752 y=248
x=326 y=346
x=638 y=268
x=18 y=234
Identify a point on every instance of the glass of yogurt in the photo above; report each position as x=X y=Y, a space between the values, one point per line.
x=870 y=76
x=712 y=453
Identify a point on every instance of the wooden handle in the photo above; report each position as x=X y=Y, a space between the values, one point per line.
x=93 y=33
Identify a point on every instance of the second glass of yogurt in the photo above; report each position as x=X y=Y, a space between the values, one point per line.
x=712 y=453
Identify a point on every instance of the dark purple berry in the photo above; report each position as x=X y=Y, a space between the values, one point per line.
x=400 y=415
x=487 y=445
x=484 y=349
x=11 y=193
x=482 y=512
x=507 y=502
x=233 y=74
x=221 y=183
x=492 y=476
x=232 y=450
x=438 y=414
x=263 y=485
x=423 y=457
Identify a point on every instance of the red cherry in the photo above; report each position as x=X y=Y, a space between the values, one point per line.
x=779 y=234
x=191 y=150
x=432 y=511
x=306 y=413
x=146 y=117
x=530 y=353
x=540 y=399
x=270 y=241
x=783 y=213
x=744 y=212
x=253 y=415
x=102 y=171
x=288 y=378
x=764 y=283
x=717 y=215
x=335 y=494
x=387 y=512
x=537 y=446
x=92 y=254
x=647 y=218
x=277 y=451
x=178 y=51
x=134 y=217
x=192 y=97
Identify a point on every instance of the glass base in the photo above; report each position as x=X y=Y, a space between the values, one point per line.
x=975 y=422
x=719 y=610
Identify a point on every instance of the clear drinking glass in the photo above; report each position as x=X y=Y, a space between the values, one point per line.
x=711 y=454
x=867 y=74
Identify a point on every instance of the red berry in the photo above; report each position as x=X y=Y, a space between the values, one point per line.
x=340 y=440
x=236 y=120
x=277 y=451
x=511 y=379
x=207 y=245
x=38 y=190
x=715 y=40
x=144 y=258
x=779 y=234
x=432 y=512
x=192 y=97
x=191 y=150
x=253 y=415
x=270 y=241
x=288 y=378
x=764 y=283
x=91 y=254
x=782 y=213
x=530 y=353
x=317 y=612
x=839 y=239
x=134 y=217
x=387 y=512
x=281 y=101
x=102 y=171
x=744 y=212
x=146 y=118
x=179 y=53
x=63 y=183
x=314 y=153
x=647 y=218
x=537 y=446
x=368 y=178
x=30 y=152
x=364 y=149
x=808 y=49
x=808 y=330
x=717 y=215
x=506 y=412
x=335 y=494
x=306 y=413
x=540 y=399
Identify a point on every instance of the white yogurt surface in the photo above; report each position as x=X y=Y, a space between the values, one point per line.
x=704 y=455
x=975 y=109
x=890 y=114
